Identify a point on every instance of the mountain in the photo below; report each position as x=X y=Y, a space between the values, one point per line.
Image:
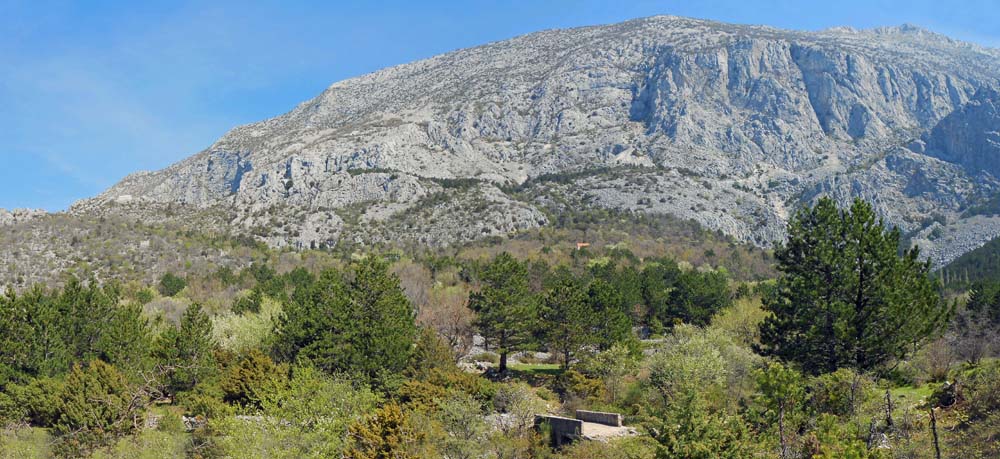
x=732 y=126
x=16 y=216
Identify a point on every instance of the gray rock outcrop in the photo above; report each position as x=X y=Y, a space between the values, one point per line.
x=733 y=126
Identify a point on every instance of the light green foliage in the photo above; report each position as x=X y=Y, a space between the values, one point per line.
x=688 y=363
x=613 y=366
x=982 y=390
x=307 y=418
x=465 y=428
x=149 y=444
x=704 y=361
x=833 y=439
x=742 y=320
x=841 y=393
x=520 y=405
x=979 y=415
x=242 y=332
x=25 y=443
x=778 y=402
x=627 y=448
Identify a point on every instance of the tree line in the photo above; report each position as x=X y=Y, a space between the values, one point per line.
x=848 y=298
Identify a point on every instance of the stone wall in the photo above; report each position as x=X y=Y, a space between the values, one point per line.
x=563 y=430
x=597 y=417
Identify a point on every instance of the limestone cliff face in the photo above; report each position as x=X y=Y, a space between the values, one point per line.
x=768 y=118
x=970 y=135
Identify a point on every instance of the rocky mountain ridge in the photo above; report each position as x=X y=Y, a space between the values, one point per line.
x=15 y=216
x=732 y=126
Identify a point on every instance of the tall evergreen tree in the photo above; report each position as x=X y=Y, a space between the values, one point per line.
x=697 y=296
x=984 y=301
x=848 y=296
x=125 y=341
x=505 y=308
x=187 y=351
x=46 y=331
x=608 y=306
x=384 y=327
x=366 y=326
x=86 y=309
x=566 y=318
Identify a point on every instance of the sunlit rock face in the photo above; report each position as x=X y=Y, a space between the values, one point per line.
x=733 y=126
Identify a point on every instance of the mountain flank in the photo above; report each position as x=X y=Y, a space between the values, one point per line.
x=732 y=126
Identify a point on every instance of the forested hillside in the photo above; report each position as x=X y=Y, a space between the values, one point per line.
x=982 y=264
x=845 y=347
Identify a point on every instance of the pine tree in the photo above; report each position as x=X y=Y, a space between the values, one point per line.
x=566 y=318
x=311 y=322
x=697 y=296
x=384 y=328
x=506 y=310
x=86 y=310
x=187 y=351
x=847 y=296
x=366 y=326
x=611 y=323
x=125 y=341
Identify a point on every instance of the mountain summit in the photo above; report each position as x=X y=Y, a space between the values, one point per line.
x=733 y=126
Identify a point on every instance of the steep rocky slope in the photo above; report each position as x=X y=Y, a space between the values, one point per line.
x=732 y=126
x=16 y=216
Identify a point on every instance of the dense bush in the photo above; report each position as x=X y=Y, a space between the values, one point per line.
x=171 y=284
x=97 y=407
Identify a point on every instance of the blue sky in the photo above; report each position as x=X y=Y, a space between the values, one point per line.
x=93 y=90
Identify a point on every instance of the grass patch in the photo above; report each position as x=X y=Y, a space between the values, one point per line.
x=911 y=395
x=529 y=369
x=21 y=443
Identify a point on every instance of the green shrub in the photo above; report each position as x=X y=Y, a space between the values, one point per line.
x=982 y=390
x=839 y=393
x=249 y=303
x=171 y=422
x=240 y=333
x=37 y=402
x=171 y=284
x=97 y=408
x=244 y=383
x=204 y=401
